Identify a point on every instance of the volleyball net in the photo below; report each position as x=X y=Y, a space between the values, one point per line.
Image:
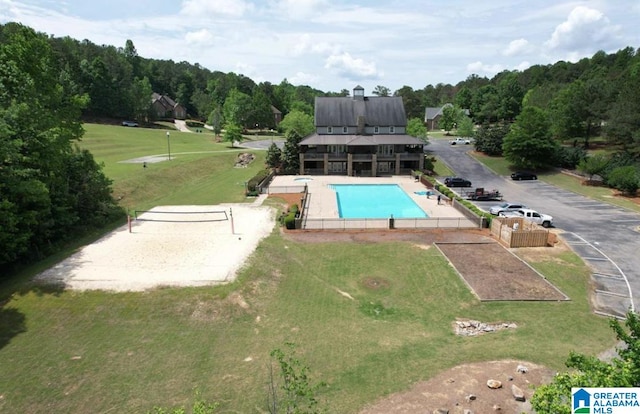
x=204 y=216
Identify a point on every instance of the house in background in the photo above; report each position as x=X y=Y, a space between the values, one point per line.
x=277 y=115
x=432 y=116
x=166 y=108
x=362 y=136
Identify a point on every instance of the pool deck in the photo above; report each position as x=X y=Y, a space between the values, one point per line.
x=322 y=199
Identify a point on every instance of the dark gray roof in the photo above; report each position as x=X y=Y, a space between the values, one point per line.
x=398 y=139
x=431 y=113
x=377 y=111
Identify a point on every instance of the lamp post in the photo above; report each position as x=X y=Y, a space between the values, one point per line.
x=169 y=145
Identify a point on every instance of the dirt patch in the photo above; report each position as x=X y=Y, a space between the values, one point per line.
x=375 y=283
x=493 y=273
x=288 y=199
x=465 y=388
x=421 y=238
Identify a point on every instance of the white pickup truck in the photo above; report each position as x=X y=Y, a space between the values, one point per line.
x=460 y=141
x=544 y=220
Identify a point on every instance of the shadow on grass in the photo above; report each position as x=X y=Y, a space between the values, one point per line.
x=12 y=323
x=12 y=320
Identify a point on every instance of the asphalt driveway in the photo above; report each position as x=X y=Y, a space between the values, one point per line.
x=607 y=237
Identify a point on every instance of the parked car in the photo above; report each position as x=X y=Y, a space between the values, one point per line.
x=456 y=182
x=497 y=209
x=460 y=141
x=129 y=123
x=523 y=175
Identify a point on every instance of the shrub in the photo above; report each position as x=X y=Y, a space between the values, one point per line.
x=290 y=221
x=429 y=165
x=194 y=124
x=570 y=157
x=625 y=179
x=253 y=183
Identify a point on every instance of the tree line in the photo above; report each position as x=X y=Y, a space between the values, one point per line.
x=50 y=190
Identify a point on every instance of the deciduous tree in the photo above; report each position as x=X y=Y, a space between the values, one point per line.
x=594 y=165
x=232 y=134
x=529 y=143
x=299 y=122
x=416 y=128
x=381 y=91
x=237 y=108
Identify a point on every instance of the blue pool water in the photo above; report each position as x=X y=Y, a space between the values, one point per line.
x=303 y=179
x=375 y=201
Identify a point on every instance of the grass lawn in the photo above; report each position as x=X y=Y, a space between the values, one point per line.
x=73 y=352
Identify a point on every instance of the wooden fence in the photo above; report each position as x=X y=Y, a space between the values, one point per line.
x=518 y=232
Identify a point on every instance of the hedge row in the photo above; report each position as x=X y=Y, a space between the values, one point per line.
x=252 y=184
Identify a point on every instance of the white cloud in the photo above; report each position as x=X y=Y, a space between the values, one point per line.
x=585 y=29
x=523 y=66
x=298 y=9
x=482 y=68
x=307 y=44
x=352 y=68
x=204 y=8
x=201 y=36
x=516 y=47
x=301 y=78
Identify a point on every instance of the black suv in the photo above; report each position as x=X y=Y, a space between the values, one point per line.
x=456 y=182
x=523 y=175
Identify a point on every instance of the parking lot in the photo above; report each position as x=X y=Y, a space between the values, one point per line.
x=604 y=235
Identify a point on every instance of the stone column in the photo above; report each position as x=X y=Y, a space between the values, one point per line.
x=301 y=163
x=325 y=163
x=397 y=172
x=349 y=164
x=374 y=164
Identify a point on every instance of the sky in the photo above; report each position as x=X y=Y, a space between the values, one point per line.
x=333 y=45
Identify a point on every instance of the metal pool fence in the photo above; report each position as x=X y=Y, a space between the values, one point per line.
x=395 y=223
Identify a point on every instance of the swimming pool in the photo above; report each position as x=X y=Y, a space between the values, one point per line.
x=375 y=201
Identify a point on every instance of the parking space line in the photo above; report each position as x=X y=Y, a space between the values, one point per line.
x=607 y=275
x=624 y=276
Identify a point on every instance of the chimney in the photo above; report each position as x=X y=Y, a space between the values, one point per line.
x=360 y=130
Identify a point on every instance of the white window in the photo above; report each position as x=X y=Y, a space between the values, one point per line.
x=345 y=130
x=376 y=130
x=385 y=149
x=337 y=149
x=329 y=130
x=337 y=166
x=392 y=130
x=383 y=167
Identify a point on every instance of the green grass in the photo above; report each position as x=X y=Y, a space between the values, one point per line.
x=73 y=352
x=200 y=171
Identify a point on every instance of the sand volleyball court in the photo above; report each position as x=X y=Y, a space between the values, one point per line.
x=168 y=246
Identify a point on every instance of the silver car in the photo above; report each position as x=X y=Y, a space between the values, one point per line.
x=495 y=210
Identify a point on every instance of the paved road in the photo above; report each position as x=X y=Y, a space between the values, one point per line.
x=607 y=237
x=262 y=144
